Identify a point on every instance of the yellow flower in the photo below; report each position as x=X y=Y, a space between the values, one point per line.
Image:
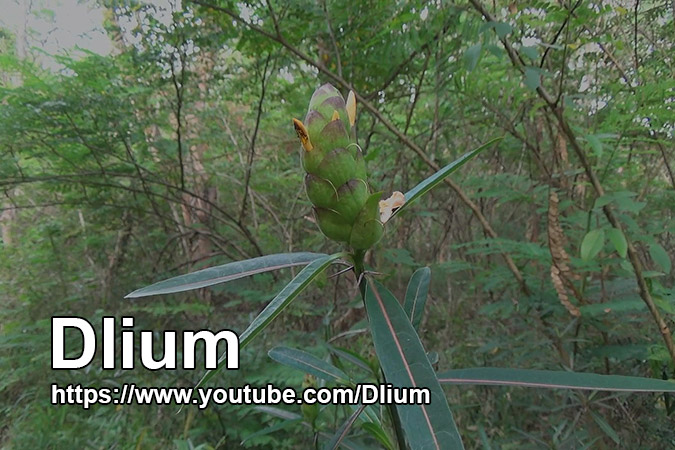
x=301 y=131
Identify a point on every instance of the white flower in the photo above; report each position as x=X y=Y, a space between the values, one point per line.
x=390 y=205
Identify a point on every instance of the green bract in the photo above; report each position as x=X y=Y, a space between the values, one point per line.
x=336 y=182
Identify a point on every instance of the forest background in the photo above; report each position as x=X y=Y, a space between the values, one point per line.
x=175 y=151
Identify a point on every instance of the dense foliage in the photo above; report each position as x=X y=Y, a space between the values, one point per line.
x=551 y=250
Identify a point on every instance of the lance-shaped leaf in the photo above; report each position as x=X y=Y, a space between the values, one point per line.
x=376 y=431
x=291 y=416
x=227 y=272
x=405 y=364
x=278 y=412
x=554 y=380
x=308 y=363
x=271 y=429
x=278 y=304
x=416 y=295
x=343 y=431
x=429 y=183
x=352 y=357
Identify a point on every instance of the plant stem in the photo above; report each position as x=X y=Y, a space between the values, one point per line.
x=359 y=271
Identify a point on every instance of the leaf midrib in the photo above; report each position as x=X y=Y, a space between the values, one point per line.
x=402 y=354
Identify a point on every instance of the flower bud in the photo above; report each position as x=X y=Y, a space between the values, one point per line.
x=336 y=180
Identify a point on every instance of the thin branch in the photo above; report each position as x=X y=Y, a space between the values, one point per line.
x=665 y=162
x=635 y=32
x=557 y=34
x=332 y=39
x=251 y=154
x=418 y=92
x=178 y=87
x=424 y=47
x=95 y=180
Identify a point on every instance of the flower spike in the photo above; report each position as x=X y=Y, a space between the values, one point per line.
x=336 y=182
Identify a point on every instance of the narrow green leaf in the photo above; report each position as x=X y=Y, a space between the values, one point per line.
x=278 y=412
x=660 y=257
x=308 y=363
x=429 y=183
x=607 y=428
x=291 y=416
x=416 y=295
x=592 y=244
x=274 y=308
x=271 y=429
x=405 y=364
x=352 y=357
x=346 y=444
x=369 y=415
x=343 y=431
x=484 y=438
x=226 y=272
x=553 y=380
x=618 y=240
x=472 y=55
x=376 y=431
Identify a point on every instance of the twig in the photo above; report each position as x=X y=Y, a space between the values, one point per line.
x=178 y=114
x=332 y=39
x=251 y=153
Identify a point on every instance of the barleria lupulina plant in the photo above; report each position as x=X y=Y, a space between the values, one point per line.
x=348 y=212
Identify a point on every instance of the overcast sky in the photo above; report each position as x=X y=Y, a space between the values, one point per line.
x=56 y=25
